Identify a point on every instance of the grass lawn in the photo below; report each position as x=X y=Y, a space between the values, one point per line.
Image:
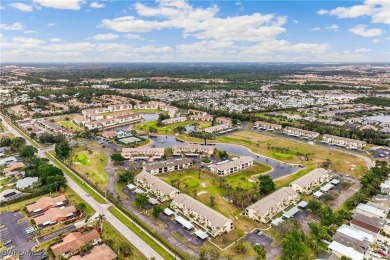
x=90 y=164
x=168 y=129
x=99 y=198
x=286 y=180
x=8 y=180
x=140 y=233
x=70 y=125
x=149 y=111
x=257 y=142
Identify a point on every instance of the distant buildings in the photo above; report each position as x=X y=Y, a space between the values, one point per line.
x=217 y=128
x=157 y=187
x=173 y=120
x=142 y=153
x=343 y=142
x=232 y=166
x=307 y=183
x=168 y=165
x=267 y=126
x=305 y=134
x=223 y=120
x=201 y=118
x=266 y=208
x=193 y=149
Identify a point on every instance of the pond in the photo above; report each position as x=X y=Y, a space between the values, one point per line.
x=379 y=118
x=279 y=169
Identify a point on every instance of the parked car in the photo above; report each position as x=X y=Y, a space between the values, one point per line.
x=7 y=242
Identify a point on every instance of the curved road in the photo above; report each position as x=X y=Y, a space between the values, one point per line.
x=143 y=247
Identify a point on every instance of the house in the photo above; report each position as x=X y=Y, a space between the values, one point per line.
x=266 y=208
x=370 y=224
x=168 y=165
x=102 y=252
x=14 y=167
x=217 y=128
x=73 y=241
x=197 y=112
x=155 y=186
x=45 y=203
x=109 y=134
x=267 y=126
x=370 y=211
x=223 y=120
x=382 y=199
x=142 y=153
x=10 y=194
x=343 y=142
x=356 y=244
x=307 y=183
x=119 y=107
x=341 y=250
x=301 y=133
x=355 y=233
x=55 y=215
x=146 y=106
x=201 y=118
x=213 y=222
x=8 y=160
x=26 y=182
x=232 y=166
x=192 y=149
x=173 y=120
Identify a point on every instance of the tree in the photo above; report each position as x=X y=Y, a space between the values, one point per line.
x=168 y=152
x=62 y=150
x=117 y=158
x=293 y=246
x=241 y=248
x=286 y=226
x=141 y=199
x=179 y=129
x=234 y=122
x=313 y=205
x=17 y=142
x=267 y=185
x=27 y=151
x=326 y=164
x=156 y=211
x=261 y=251
x=152 y=130
x=212 y=201
x=101 y=218
x=81 y=207
x=125 y=249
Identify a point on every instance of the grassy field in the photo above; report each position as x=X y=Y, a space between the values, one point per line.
x=90 y=163
x=140 y=234
x=258 y=142
x=70 y=125
x=99 y=198
x=168 y=129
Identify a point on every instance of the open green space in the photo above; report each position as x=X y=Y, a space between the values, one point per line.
x=168 y=129
x=90 y=163
x=261 y=144
x=161 y=251
x=99 y=198
x=70 y=125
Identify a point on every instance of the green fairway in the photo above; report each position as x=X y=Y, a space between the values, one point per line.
x=70 y=125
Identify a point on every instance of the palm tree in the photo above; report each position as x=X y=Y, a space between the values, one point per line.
x=101 y=218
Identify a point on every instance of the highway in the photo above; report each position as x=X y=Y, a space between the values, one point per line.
x=143 y=247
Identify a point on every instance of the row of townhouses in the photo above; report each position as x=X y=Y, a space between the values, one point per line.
x=231 y=166
x=168 y=165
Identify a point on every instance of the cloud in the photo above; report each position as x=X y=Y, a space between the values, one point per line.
x=360 y=50
x=12 y=27
x=363 y=30
x=376 y=41
x=60 y=4
x=133 y=36
x=28 y=41
x=295 y=21
x=201 y=23
x=22 y=7
x=29 y=31
x=316 y=29
x=51 y=24
x=333 y=27
x=55 y=40
x=103 y=37
x=96 y=5
x=378 y=10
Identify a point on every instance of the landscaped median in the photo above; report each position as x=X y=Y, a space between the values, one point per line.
x=147 y=239
x=76 y=179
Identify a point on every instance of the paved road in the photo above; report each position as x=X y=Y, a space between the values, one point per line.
x=346 y=195
x=143 y=247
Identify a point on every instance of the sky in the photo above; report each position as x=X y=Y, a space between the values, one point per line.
x=195 y=31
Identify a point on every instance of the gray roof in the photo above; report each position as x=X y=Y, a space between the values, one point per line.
x=233 y=163
x=26 y=182
x=217 y=219
x=263 y=205
x=343 y=139
x=372 y=221
x=307 y=179
x=350 y=242
x=167 y=163
x=165 y=188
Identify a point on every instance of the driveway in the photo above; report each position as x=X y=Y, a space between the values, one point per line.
x=266 y=242
x=345 y=195
x=64 y=230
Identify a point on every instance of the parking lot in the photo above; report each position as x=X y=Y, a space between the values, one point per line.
x=266 y=242
x=382 y=153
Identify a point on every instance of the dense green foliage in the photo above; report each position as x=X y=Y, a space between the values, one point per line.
x=267 y=185
x=376 y=101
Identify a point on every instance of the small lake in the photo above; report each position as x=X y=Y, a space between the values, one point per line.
x=379 y=118
x=279 y=169
x=127 y=127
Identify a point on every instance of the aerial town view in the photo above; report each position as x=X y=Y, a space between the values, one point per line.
x=177 y=129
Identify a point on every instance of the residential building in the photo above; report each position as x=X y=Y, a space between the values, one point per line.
x=192 y=149
x=119 y=107
x=370 y=224
x=197 y=112
x=343 y=142
x=356 y=244
x=173 y=120
x=168 y=165
x=341 y=250
x=146 y=106
x=370 y=211
x=45 y=203
x=267 y=126
x=213 y=222
x=234 y=165
x=8 y=160
x=217 y=128
x=73 y=241
x=382 y=199
x=355 y=233
x=301 y=133
x=102 y=252
x=55 y=215
x=14 y=167
x=25 y=183
x=223 y=120
x=142 y=153
x=201 y=118
x=155 y=186
x=307 y=183
x=266 y=208
x=9 y=194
